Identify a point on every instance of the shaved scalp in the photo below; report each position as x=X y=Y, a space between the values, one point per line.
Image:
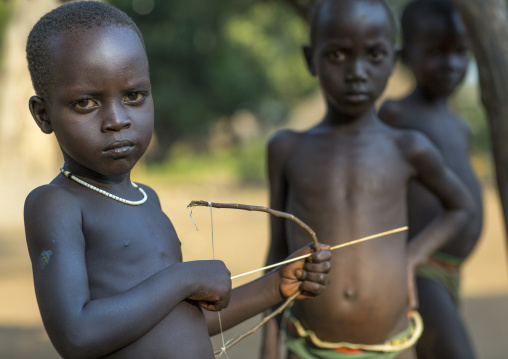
x=417 y=10
x=72 y=17
x=318 y=6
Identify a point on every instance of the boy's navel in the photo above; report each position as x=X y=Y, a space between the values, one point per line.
x=349 y=293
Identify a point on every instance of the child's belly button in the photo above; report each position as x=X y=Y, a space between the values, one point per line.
x=349 y=294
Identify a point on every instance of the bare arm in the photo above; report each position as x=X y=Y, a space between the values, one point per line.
x=445 y=185
x=83 y=327
x=278 y=150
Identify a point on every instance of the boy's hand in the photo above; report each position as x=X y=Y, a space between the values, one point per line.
x=212 y=284
x=309 y=275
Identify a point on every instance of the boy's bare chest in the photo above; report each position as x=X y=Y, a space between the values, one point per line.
x=125 y=245
x=349 y=167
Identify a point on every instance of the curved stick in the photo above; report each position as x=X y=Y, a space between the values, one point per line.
x=279 y=310
x=273 y=212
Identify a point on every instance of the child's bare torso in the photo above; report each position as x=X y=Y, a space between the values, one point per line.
x=124 y=246
x=346 y=186
x=451 y=135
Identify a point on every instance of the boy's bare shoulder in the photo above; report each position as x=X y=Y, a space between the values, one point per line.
x=51 y=196
x=392 y=112
x=413 y=144
x=283 y=142
x=285 y=137
x=47 y=210
x=150 y=192
x=60 y=201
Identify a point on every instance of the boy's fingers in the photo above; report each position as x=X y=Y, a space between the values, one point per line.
x=322 y=247
x=320 y=267
x=300 y=274
x=320 y=256
x=312 y=269
x=318 y=278
x=214 y=306
x=311 y=289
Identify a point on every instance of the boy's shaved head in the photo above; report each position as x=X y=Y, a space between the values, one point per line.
x=73 y=17
x=319 y=5
x=419 y=10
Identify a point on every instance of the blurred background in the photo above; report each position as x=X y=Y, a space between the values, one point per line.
x=226 y=74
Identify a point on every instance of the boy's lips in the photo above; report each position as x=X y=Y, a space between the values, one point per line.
x=354 y=96
x=119 y=148
x=450 y=79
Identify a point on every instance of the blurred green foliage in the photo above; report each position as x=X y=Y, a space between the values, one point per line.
x=243 y=164
x=466 y=102
x=209 y=59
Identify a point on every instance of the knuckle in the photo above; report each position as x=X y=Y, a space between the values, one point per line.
x=327 y=266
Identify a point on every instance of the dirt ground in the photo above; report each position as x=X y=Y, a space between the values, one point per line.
x=241 y=241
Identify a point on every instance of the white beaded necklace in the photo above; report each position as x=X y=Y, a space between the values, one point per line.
x=68 y=174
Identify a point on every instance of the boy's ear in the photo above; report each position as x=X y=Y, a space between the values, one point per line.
x=402 y=55
x=397 y=54
x=39 y=112
x=307 y=53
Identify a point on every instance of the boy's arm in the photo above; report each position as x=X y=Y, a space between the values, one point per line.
x=279 y=149
x=277 y=153
x=80 y=326
x=458 y=205
x=307 y=275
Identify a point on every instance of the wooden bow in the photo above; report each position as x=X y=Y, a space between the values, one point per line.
x=273 y=212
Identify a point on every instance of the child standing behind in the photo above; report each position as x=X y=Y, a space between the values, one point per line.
x=347 y=177
x=106 y=260
x=435 y=48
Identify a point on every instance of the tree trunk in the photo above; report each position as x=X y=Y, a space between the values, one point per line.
x=487 y=26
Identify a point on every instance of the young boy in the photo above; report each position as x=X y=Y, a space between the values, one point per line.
x=347 y=177
x=107 y=264
x=435 y=48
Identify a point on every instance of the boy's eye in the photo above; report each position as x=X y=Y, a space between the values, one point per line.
x=377 y=55
x=337 y=55
x=85 y=103
x=134 y=97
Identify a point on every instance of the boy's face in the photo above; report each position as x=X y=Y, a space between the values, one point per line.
x=100 y=104
x=353 y=54
x=438 y=55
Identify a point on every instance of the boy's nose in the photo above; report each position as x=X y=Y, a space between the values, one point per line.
x=356 y=71
x=115 y=119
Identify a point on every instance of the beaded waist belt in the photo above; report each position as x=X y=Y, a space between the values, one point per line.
x=394 y=345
